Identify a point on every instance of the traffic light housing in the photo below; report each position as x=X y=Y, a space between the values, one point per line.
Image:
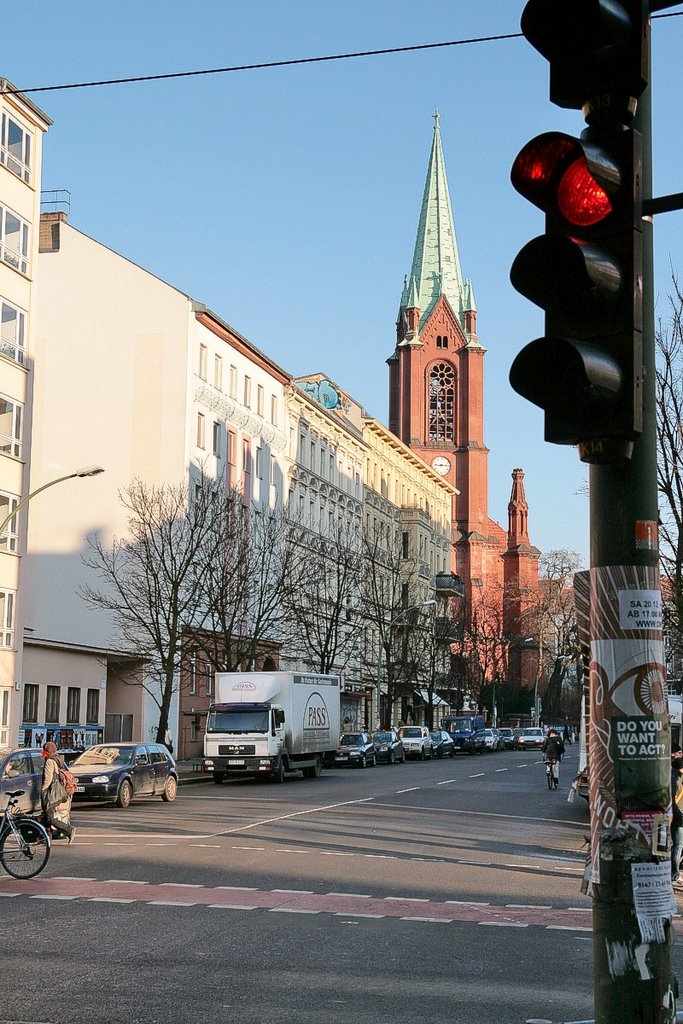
x=586 y=270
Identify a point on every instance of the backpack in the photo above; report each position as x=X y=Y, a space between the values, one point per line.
x=68 y=780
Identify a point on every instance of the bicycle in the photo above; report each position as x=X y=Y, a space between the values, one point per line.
x=24 y=843
x=552 y=773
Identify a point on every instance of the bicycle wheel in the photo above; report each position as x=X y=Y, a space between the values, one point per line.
x=25 y=855
x=549 y=777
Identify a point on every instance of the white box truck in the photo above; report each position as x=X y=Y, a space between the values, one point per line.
x=268 y=723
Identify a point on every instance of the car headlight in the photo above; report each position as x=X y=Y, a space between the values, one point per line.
x=100 y=778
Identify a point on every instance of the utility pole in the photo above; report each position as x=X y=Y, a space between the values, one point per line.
x=593 y=375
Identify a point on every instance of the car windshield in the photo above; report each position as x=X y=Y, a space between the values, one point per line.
x=411 y=731
x=351 y=739
x=105 y=755
x=382 y=737
x=532 y=732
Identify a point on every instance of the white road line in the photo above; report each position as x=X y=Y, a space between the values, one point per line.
x=469 y=903
x=521 y=766
x=407 y=899
x=169 y=903
x=238 y=888
x=335 y=853
x=379 y=856
x=291 y=910
x=501 y=770
x=431 y=920
x=182 y=885
x=71 y=878
x=258 y=849
x=344 y=913
x=118 y=881
x=206 y=846
x=446 y=782
x=301 y=892
x=161 y=844
x=587 y=910
x=8 y=895
x=527 y=906
x=108 y=899
x=53 y=897
x=565 y=928
x=504 y=924
x=413 y=789
x=355 y=895
x=229 y=906
x=478 y=775
x=283 y=849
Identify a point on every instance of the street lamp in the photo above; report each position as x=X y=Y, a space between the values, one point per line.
x=85 y=471
x=397 y=618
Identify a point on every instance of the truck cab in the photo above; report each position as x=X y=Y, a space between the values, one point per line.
x=466 y=731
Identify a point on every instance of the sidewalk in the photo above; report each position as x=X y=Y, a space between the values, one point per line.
x=190 y=772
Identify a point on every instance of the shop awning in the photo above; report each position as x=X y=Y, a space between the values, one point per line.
x=437 y=701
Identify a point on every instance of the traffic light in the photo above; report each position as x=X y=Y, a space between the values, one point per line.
x=586 y=270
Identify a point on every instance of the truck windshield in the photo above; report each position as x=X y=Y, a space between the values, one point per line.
x=237 y=721
x=462 y=725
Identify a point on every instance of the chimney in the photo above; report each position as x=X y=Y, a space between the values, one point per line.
x=49 y=231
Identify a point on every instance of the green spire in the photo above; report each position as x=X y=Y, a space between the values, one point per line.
x=436 y=264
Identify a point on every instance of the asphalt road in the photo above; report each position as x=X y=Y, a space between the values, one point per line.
x=400 y=893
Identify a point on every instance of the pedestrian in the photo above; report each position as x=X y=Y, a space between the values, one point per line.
x=56 y=812
x=676 y=817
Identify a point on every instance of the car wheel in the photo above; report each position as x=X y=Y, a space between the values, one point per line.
x=392 y=757
x=217 y=778
x=125 y=794
x=170 y=790
x=363 y=762
x=278 y=775
x=374 y=760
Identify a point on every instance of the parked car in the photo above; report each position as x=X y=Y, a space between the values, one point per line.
x=493 y=740
x=389 y=746
x=530 y=739
x=356 y=749
x=508 y=737
x=124 y=771
x=442 y=744
x=417 y=741
x=21 y=768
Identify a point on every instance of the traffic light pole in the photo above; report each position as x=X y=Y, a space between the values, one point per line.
x=633 y=978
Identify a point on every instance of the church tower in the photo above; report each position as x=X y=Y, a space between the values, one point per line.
x=436 y=405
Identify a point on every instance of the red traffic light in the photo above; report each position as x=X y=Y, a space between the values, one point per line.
x=567 y=177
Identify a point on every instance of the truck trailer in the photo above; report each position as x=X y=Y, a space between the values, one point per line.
x=264 y=724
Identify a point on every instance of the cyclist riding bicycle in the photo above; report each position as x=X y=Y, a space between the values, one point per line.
x=553 y=748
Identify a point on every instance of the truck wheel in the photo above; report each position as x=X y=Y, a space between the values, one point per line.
x=314 y=772
x=218 y=778
x=279 y=773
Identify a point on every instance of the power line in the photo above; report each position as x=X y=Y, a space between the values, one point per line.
x=265 y=64
x=283 y=63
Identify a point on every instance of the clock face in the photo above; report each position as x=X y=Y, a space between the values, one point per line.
x=441 y=464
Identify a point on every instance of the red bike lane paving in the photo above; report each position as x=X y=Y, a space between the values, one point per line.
x=171 y=894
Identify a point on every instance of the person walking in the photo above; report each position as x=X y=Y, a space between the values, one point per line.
x=676 y=817
x=56 y=812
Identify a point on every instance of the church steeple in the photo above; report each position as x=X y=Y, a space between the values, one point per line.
x=436 y=264
x=518 y=512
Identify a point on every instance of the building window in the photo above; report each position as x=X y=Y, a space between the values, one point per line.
x=8 y=540
x=233 y=382
x=246 y=471
x=218 y=373
x=259 y=463
x=30 y=712
x=4 y=718
x=273 y=410
x=313 y=456
x=193 y=672
x=202 y=362
x=405 y=545
x=15 y=148
x=11 y=425
x=273 y=468
x=13 y=333
x=209 y=681
x=6 y=618
x=442 y=342
x=201 y=433
x=52 y=704
x=92 y=707
x=259 y=400
x=217 y=439
x=247 y=392
x=14 y=240
x=231 y=453
x=73 y=704
x=441 y=402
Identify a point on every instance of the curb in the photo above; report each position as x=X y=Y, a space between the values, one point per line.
x=193 y=780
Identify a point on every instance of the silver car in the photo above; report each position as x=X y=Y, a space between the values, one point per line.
x=417 y=741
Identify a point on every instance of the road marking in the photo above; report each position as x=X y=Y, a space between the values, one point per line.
x=300 y=892
x=238 y=888
x=469 y=903
x=259 y=849
x=169 y=903
x=117 y=881
x=206 y=846
x=501 y=770
x=53 y=897
x=10 y=894
x=504 y=924
x=446 y=782
x=379 y=856
x=413 y=789
x=521 y=766
x=109 y=899
x=588 y=910
x=408 y=899
x=354 y=895
x=339 y=913
x=229 y=906
x=478 y=775
x=291 y=910
x=72 y=878
x=431 y=920
x=182 y=885
x=566 y=928
x=527 y=906
x=161 y=844
x=285 y=850
x=335 y=853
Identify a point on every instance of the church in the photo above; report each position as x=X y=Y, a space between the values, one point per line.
x=436 y=407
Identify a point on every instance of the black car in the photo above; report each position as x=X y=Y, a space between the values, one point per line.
x=357 y=749
x=124 y=771
x=508 y=737
x=442 y=744
x=389 y=746
x=21 y=768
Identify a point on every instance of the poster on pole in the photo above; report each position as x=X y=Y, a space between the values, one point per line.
x=619 y=618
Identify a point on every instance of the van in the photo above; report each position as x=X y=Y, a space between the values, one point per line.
x=467 y=732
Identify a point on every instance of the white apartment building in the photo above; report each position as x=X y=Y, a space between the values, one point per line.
x=132 y=375
x=22 y=125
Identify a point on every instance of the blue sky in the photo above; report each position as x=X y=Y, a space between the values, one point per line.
x=287 y=199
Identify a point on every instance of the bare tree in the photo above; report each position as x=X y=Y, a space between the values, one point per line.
x=323 y=609
x=151 y=579
x=669 y=399
x=555 y=624
x=252 y=577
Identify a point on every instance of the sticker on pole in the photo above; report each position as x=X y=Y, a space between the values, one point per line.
x=646 y=535
x=640 y=609
x=653 y=899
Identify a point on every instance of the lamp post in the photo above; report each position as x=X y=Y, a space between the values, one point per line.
x=85 y=471
x=397 y=618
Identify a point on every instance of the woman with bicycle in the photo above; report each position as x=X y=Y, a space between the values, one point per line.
x=56 y=811
x=553 y=748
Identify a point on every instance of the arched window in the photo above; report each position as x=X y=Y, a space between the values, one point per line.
x=441 y=402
